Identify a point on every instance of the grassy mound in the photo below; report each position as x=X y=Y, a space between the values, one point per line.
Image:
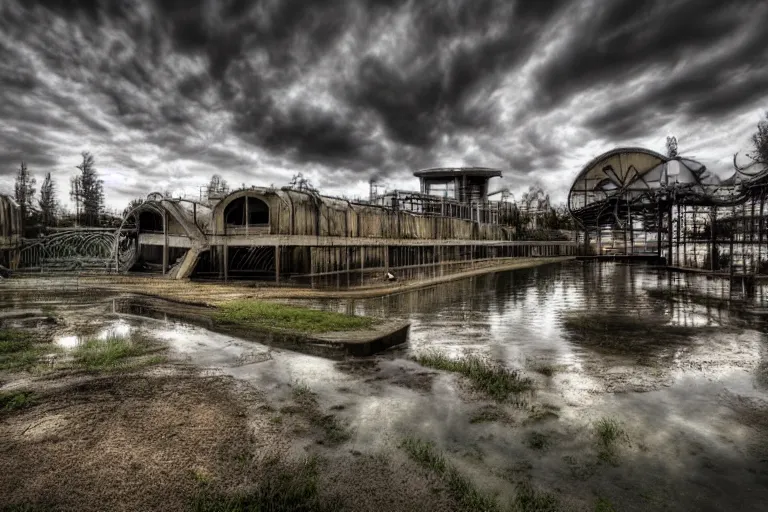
x=281 y=317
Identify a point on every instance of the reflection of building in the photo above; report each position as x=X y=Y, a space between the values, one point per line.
x=10 y=232
x=304 y=237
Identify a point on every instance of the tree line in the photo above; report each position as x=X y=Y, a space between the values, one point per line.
x=40 y=211
x=43 y=211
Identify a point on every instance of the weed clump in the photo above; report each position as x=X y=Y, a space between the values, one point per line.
x=487 y=415
x=12 y=401
x=20 y=351
x=609 y=431
x=334 y=431
x=489 y=377
x=530 y=499
x=461 y=488
x=283 y=487
x=114 y=352
x=281 y=317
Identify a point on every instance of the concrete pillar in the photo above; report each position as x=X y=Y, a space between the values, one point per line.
x=277 y=258
x=225 y=252
x=165 y=242
x=246 y=218
x=346 y=265
x=386 y=259
x=362 y=265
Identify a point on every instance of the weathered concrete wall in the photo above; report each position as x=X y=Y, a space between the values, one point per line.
x=297 y=213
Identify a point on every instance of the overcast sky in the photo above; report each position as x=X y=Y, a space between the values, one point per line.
x=166 y=93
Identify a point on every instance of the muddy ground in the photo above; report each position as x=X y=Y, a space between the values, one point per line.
x=158 y=439
x=627 y=423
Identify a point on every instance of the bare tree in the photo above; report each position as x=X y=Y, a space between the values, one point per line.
x=217 y=185
x=535 y=198
x=299 y=182
x=672 y=146
x=47 y=201
x=24 y=192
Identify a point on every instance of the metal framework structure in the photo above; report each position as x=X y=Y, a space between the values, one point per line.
x=635 y=201
x=88 y=249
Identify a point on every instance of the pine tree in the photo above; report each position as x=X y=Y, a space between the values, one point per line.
x=24 y=192
x=47 y=201
x=87 y=190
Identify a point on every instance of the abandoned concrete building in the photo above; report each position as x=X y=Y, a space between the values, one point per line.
x=309 y=239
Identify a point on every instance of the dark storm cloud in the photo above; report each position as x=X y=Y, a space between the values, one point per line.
x=706 y=58
x=434 y=97
x=350 y=90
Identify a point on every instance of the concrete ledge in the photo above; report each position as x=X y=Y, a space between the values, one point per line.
x=364 y=342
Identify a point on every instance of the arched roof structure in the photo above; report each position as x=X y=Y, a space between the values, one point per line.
x=640 y=178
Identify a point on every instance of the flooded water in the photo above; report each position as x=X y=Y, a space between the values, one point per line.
x=691 y=391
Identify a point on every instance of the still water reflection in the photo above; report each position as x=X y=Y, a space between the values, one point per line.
x=518 y=316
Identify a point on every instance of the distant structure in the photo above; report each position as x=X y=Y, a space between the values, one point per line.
x=302 y=237
x=464 y=184
x=10 y=232
x=636 y=201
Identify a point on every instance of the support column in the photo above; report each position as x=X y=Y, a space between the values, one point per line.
x=362 y=265
x=677 y=242
x=434 y=261
x=277 y=259
x=346 y=263
x=165 y=242
x=226 y=260
x=669 y=234
x=713 y=239
x=760 y=228
x=658 y=231
x=246 y=215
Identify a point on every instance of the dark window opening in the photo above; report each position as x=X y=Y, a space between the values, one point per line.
x=258 y=212
x=150 y=221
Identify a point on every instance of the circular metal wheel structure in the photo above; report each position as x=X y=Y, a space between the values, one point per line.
x=637 y=179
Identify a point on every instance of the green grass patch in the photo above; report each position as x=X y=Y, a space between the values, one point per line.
x=12 y=401
x=609 y=431
x=530 y=499
x=13 y=340
x=281 y=317
x=487 y=414
x=469 y=497
x=114 y=352
x=282 y=487
x=487 y=376
x=603 y=505
x=28 y=358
